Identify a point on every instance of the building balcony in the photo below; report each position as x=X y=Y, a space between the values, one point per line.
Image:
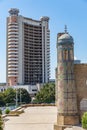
x=12 y=75
x=48 y=68
x=48 y=63
x=12 y=59
x=12 y=56
x=12 y=33
x=12 y=69
x=13 y=26
x=12 y=36
x=12 y=49
x=12 y=53
x=13 y=72
x=12 y=62
x=13 y=29
x=12 y=46
x=12 y=39
x=9 y=66
x=48 y=54
x=13 y=43
x=12 y=23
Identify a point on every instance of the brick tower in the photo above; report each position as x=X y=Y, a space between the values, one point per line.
x=65 y=87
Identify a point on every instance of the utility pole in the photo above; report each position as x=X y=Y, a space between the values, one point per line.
x=20 y=96
x=16 y=97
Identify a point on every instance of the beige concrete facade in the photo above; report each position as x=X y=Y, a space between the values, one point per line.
x=28 y=50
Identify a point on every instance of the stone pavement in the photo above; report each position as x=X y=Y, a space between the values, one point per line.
x=34 y=118
x=75 y=128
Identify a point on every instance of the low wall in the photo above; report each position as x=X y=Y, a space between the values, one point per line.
x=35 y=105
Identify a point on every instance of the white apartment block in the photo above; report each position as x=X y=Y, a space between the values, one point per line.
x=28 y=50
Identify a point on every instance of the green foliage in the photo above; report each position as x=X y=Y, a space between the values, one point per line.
x=84 y=120
x=46 y=94
x=7 y=111
x=9 y=95
x=25 y=96
x=2 y=102
x=1 y=123
x=0 y=112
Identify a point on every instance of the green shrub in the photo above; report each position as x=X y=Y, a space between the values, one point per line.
x=7 y=111
x=84 y=120
x=0 y=112
x=1 y=123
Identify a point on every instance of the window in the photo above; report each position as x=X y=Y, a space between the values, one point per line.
x=71 y=55
x=34 y=89
x=65 y=54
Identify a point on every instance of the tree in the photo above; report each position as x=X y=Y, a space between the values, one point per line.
x=84 y=120
x=2 y=102
x=1 y=123
x=9 y=95
x=46 y=94
x=23 y=95
x=0 y=112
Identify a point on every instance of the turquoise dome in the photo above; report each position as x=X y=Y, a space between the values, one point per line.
x=65 y=38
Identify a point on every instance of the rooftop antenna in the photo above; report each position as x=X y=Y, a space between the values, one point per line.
x=65 y=28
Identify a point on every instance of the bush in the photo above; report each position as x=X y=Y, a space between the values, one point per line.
x=84 y=120
x=0 y=112
x=7 y=111
x=1 y=123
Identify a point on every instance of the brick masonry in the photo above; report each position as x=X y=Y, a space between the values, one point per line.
x=80 y=73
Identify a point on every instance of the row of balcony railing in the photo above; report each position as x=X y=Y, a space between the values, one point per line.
x=12 y=69
x=10 y=57
x=12 y=39
x=13 y=36
x=12 y=62
x=12 y=23
x=12 y=33
x=13 y=30
x=13 y=48
x=13 y=59
x=13 y=75
x=13 y=65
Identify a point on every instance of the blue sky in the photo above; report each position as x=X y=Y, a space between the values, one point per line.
x=73 y=13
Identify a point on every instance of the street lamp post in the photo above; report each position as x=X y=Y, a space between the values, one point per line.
x=16 y=97
x=20 y=96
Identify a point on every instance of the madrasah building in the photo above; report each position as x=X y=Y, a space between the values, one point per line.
x=71 y=84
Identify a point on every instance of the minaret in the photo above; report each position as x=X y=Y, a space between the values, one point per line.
x=66 y=89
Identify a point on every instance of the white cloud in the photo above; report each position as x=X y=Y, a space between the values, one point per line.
x=75 y=58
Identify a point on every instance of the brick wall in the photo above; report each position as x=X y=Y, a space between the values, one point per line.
x=80 y=71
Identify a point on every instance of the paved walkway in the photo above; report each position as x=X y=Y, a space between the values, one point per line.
x=34 y=118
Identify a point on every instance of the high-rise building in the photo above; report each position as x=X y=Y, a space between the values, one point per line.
x=28 y=49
